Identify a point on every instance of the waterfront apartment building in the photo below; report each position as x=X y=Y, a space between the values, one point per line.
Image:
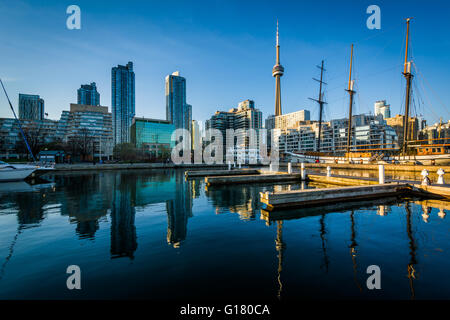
x=39 y=132
x=291 y=120
x=178 y=111
x=90 y=129
x=196 y=136
x=31 y=107
x=152 y=135
x=438 y=133
x=244 y=117
x=369 y=133
x=86 y=129
x=305 y=137
x=414 y=126
x=87 y=94
x=122 y=101
x=382 y=108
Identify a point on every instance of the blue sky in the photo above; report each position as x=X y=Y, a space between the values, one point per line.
x=226 y=50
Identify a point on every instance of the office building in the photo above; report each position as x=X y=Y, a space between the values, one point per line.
x=31 y=107
x=152 y=135
x=88 y=95
x=122 y=101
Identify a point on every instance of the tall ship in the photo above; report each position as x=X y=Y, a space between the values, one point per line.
x=427 y=152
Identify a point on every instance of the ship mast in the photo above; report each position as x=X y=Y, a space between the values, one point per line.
x=320 y=102
x=408 y=76
x=351 y=93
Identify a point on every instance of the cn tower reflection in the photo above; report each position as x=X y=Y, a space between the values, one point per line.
x=280 y=246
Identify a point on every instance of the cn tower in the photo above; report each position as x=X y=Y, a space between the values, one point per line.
x=277 y=72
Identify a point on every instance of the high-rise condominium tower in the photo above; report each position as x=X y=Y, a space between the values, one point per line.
x=31 y=107
x=88 y=95
x=122 y=101
x=178 y=112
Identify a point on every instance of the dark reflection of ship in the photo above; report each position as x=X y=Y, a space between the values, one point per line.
x=412 y=250
x=354 y=250
x=30 y=200
x=383 y=207
x=323 y=232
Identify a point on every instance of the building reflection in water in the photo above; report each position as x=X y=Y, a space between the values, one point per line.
x=179 y=210
x=123 y=229
x=242 y=199
x=383 y=210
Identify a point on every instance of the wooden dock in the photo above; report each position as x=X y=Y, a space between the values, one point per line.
x=433 y=191
x=341 y=181
x=211 y=173
x=259 y=178
x=310 y=211
x=313 y=197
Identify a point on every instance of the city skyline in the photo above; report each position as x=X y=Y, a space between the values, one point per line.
x=197 y=49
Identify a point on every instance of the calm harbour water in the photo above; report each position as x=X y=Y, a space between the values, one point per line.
x=151 y=234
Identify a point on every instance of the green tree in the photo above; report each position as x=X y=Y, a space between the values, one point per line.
x=125 y=152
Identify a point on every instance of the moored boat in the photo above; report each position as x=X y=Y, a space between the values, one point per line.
x=16 y=172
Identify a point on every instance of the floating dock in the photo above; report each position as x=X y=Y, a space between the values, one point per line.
x=341 y=181
x=210 y=173
x=270 y=216
x=259 y=178
x=311 y=197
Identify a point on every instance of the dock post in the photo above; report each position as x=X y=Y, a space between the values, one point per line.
x=440 y=179
x=381 y=174
x=426 y=180
x=289 y=167
x=328 y=171
x=302 y=170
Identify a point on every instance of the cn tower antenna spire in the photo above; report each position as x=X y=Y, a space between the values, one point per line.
x=277 y=72
x=278 y=36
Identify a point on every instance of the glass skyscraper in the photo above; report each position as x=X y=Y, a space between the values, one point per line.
x=122 y=101
x=178 y=112
x=31 y=107
x=88 y=95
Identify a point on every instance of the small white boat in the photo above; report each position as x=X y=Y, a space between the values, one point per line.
x=16 y=172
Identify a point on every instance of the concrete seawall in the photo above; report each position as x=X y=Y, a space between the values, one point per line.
x=132 y=166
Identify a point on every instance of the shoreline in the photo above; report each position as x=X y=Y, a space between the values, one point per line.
x=134 y=166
